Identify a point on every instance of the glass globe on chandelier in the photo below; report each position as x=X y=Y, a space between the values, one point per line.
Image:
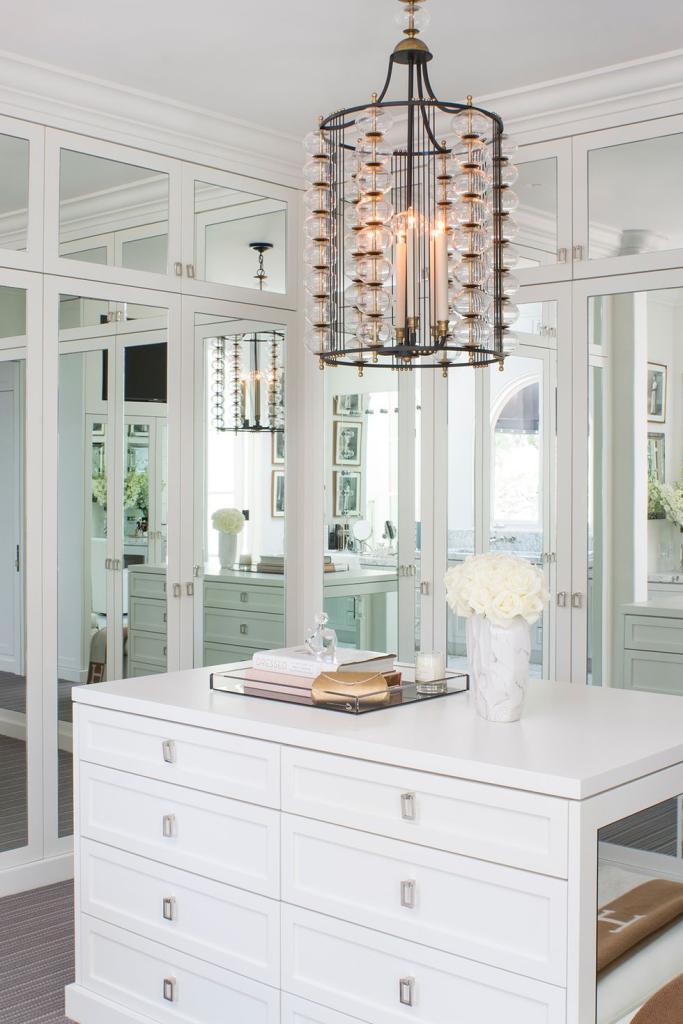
x=408 y=232
x=246 y=383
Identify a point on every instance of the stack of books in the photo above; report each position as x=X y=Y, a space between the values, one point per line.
x=293 y=669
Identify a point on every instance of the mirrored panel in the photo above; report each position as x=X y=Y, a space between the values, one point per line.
x=112 y=502
x=635 y=511
x=639 y=923
x=113 y=213
x=240 y=238
x=462 y=532
x=537 y=213
x=625 y=216
x=240 y=488
x=362 y=507
x=14 y=164
x=13 y=692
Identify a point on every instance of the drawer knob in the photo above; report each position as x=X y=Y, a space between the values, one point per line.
x=406 y=991
x=168 y=826
x=244 y=629
x=170 y=989
x=408 y=893
x=168 y=909
x=168 y=750
x=408 y=806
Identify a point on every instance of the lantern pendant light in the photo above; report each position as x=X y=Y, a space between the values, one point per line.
x=408 y=233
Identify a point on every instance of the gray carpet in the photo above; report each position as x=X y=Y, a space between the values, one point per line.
x=13 y=695
x=36 y=954
x=653 y=829
x=13 y=820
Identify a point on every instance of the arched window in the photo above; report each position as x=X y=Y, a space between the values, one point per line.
x=517 y=457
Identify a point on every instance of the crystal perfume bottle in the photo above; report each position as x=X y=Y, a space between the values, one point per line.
x=321 y=641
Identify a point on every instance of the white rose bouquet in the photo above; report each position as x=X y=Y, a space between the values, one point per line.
x=227 y=520
x=498 y=587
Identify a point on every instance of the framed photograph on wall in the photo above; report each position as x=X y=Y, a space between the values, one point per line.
x=347 y=493
x=656 y=457
x=656 y=392
x=348 y=436
x=348 y=405
x=277 y=494
x=278 y=448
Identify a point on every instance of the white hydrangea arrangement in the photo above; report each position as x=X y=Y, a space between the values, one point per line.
x=498 y=587
x=227 y=520
x=671 y=499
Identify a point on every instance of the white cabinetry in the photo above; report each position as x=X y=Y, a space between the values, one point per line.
x=653 y=645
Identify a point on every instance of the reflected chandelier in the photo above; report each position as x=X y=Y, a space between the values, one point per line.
x=408 y=229
x=247 y=383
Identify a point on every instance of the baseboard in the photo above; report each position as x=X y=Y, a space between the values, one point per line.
x=85 y=1007
x=36 y=874
x=13 y=725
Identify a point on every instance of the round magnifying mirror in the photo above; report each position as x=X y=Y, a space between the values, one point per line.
x=362 y=530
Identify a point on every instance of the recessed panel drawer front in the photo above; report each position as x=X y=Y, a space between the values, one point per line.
x=386 y=980
x=505 y=826
x=146 y=584
x=499 y=916
x=229 y=927
x=300 y=1011
x=147 y=614
x=244 y=597
x=653 y=672
x=215 y=762
x=653 y=633
x=147 y=648
x=224 y=654
x=165 y=985
x=232 y=842
x=224 y=626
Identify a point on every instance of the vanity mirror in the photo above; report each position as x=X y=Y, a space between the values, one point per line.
x=113 y=213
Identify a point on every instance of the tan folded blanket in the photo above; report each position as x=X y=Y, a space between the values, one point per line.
x=635 y=916
x=665 y=1006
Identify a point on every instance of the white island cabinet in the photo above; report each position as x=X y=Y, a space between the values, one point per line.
x=240 y=861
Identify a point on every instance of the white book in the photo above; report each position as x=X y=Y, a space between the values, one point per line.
x=299 y=661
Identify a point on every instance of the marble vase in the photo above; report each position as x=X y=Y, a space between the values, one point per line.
x=227 y=549
x=499 y=664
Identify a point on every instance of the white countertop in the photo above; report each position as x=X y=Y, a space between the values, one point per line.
x=573 y=741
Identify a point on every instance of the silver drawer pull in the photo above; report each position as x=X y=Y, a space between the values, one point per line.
x=244 y=629
x=168 y=826
x=244 y=596
x=408 y=809
x=408 y=893
x=170 y=989
x=406 y=991
x=168 y=750
x=169 y=908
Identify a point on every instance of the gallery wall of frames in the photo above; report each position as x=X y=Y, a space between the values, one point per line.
x=183 y=486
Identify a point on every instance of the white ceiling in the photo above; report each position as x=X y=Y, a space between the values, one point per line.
x=280 y=64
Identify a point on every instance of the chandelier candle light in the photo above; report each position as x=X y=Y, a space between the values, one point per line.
x=252 y=381
x=409 y=227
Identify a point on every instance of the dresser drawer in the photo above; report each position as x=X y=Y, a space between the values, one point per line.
x=300 y=1011
x=229 y=927
x=165 y=985
x=653 y=633
x=502 y=825
x=216 y=762
x=224 y=654
x=244 y=597
x=146 y=584
x=653 y=672
x=366 y=974
x=232 y=842
x=243 y=628
x=147 y=614
x=149 y=648
x=499 y=916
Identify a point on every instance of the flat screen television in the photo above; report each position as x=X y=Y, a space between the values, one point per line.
x=144 y=373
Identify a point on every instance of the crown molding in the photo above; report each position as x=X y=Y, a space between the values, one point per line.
x=90 y=106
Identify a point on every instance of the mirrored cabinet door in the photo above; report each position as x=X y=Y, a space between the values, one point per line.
x=112 y=505
x=240 y=507
x=113 y=208
x=21 y=197
x=543 y=216
x=239 y=237
x=627 y=210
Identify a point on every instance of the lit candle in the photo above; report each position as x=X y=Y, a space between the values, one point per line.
x=432 y=278
x=441 y=275
x=430 y=671
x=257 y=397
x=410 y=264
x=401 y=257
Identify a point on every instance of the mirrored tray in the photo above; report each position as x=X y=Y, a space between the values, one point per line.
x=262 y=686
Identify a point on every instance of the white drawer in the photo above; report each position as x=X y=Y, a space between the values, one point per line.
x=232 y=842
x=653 y=633
x=653 y=672
x=360 y=972
x=147 y=584
x=300 y=1011
x=199 y=758
x=229 y=927
x=243 y=627
x=147 y=614
x=499 y=916
x=147 y=647
x=506 y=826
x=132 y=972
x=244 y=597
